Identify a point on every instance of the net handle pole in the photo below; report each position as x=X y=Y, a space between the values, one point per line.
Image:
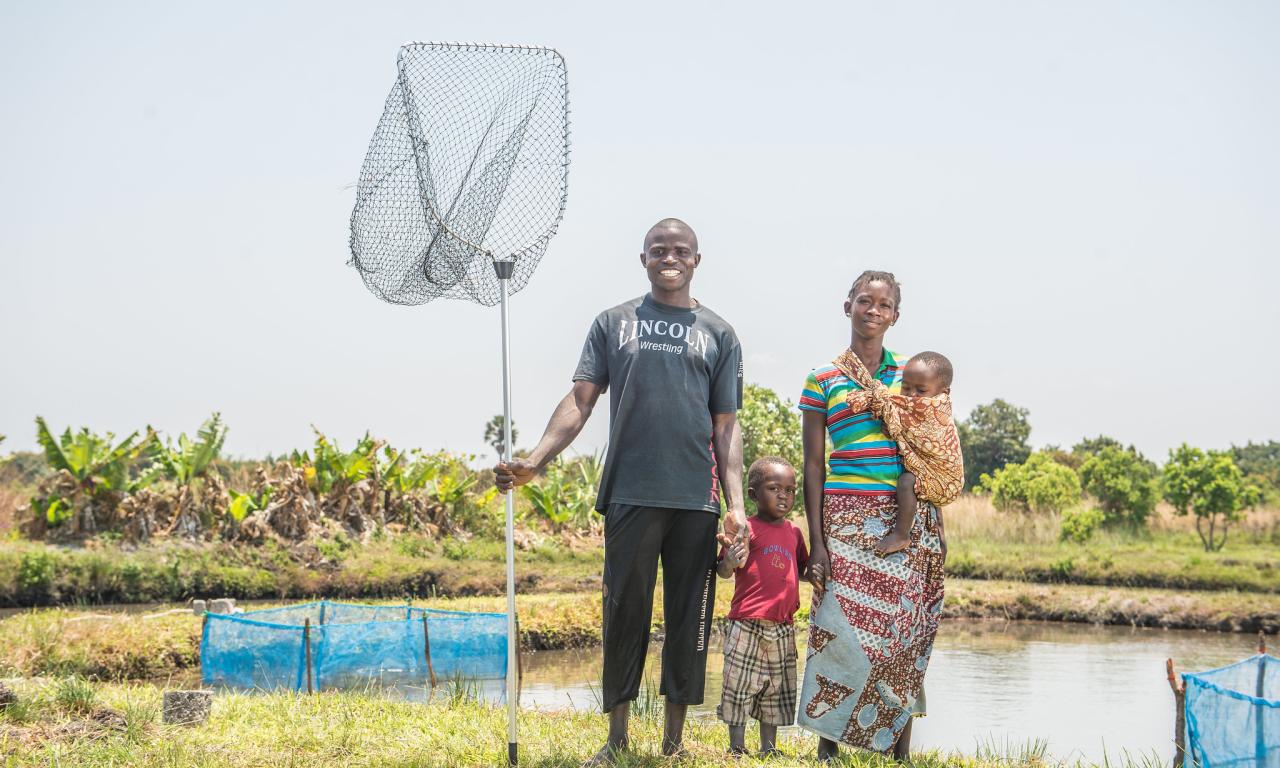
x=504 y=270
x=1179 y=715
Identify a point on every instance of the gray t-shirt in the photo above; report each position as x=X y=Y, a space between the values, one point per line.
x=668 y=369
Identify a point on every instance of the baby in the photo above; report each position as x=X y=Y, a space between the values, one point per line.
x=760 y=640
x=920 y=420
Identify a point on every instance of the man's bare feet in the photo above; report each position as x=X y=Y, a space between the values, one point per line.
x=893 y=541
x=608 y=755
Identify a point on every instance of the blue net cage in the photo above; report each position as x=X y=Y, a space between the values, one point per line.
x=1233 y=715
x=351 y=646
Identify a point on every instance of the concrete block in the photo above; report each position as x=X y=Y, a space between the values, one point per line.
x=222 y=605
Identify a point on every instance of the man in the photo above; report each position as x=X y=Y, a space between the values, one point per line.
x=674 y=371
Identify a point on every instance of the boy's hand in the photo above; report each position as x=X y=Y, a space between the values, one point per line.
x=735 y=550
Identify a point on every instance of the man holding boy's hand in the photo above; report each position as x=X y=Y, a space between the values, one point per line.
x=675 y=371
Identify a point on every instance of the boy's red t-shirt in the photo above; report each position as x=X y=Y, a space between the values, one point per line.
x=768 y=586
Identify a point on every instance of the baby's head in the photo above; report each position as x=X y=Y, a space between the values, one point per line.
x=771 y=484
x=928 y=374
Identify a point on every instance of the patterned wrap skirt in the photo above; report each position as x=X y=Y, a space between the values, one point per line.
x=871 y=632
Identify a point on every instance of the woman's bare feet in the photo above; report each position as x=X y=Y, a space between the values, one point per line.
x=826 y=750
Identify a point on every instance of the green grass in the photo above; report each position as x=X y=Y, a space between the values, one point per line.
x=984 y=543
x=366 y=729
x=1167 y=560
x=105 y=572
x=129 y=647
x=988 y=544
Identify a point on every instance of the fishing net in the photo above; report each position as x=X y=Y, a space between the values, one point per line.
x=468 y=165
x=1233 y=714
x=351 y=646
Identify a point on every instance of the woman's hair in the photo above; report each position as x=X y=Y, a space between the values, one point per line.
x=755 y=475
x=874 y=276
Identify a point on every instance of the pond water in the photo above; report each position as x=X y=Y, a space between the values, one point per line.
x=1088 y=691
x=1085 y=690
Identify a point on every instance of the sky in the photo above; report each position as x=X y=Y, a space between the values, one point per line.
x=1081 y=200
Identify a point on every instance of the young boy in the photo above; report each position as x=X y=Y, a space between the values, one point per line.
x=920 y=421
x=760 y=641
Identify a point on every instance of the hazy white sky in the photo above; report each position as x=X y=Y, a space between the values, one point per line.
x=1082 y=200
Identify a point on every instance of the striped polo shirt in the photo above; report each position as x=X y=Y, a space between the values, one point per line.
x=865 y=460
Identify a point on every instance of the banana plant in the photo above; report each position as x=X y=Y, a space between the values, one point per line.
x=565 y=494
x=91 y=459
x=191 y=458
x=245 y=504
x=547 y=495
x=334 y=466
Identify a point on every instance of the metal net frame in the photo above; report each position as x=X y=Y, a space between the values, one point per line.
x=467 y=166
x=463 y=187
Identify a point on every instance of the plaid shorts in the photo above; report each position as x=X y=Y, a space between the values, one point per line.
x=759 y=673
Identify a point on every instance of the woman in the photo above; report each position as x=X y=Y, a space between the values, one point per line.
x=874 y=618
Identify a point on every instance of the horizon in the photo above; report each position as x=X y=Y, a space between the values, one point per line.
x=1068 y=194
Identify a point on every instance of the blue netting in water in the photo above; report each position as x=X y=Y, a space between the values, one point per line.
x=351 y=646
x=1233 y=715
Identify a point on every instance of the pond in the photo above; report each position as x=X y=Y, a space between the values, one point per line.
x=1085 y=690
x=1088 y=691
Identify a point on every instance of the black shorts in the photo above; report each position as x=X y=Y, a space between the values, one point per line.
x=635 y=538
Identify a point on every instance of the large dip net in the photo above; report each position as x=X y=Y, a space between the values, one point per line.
x=324 y=645
x=1233 y=715
x=469 y=164
x=462 y=188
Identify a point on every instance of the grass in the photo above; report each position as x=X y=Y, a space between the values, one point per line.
x=984 y=543
x=34 y=573
x=987 y=544
x=128 y=647
x=365 y=729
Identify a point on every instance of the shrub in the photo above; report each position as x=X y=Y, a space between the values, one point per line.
x=1079 y=525
x=993 y=436
x=770 y=427
x=1039 y=484
x=1209 y=485
x=35 y=575
x=1123 y=483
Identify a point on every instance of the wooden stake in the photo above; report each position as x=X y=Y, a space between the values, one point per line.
x=426 y=644
x=306 y=640
x=1262 y=642
x=1179 y=716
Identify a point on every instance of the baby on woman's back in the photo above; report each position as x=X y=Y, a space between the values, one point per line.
x=919 y=419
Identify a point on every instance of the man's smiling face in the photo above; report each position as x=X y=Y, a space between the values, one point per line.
x=670 y=257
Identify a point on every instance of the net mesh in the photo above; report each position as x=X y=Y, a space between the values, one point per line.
x=352 y=646
x=468 y=164
x=1233 y=715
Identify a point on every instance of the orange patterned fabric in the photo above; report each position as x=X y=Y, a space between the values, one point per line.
x=922 y=426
